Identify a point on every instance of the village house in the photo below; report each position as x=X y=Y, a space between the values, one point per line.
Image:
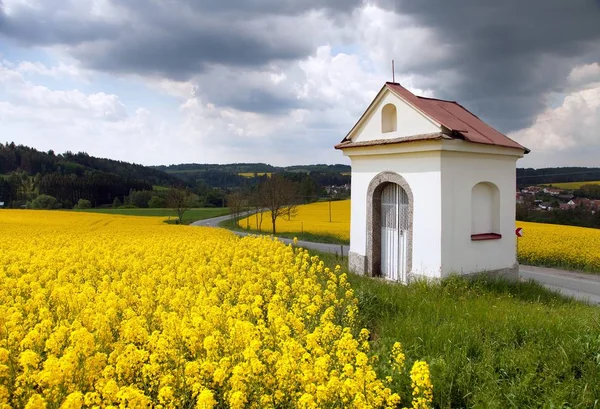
x=552 y=191
x=565 y=196
x=531 y=190
x=588 y=204
x=567 y=206
x=335 y=190
x=432 y=190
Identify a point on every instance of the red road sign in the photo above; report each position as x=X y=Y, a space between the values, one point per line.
x=519 y=232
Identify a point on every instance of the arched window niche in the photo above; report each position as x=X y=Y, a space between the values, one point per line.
x=389 y=119
x=485 y=212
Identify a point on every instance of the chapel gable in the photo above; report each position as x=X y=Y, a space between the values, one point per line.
x=390 y=117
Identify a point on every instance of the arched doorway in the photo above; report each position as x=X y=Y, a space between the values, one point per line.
x=394 y=232
x=389 y=227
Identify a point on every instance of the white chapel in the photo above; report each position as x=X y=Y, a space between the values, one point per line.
x=433 y=190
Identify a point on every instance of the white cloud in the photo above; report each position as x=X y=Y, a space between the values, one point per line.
x=310 y=105
x=44 y=118
x=386 y=35
x=278 y=110
x=61 y=70
x=584 y=75
x=567 y=135
x=53 y=103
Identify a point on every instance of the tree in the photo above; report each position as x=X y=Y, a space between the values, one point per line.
x=83 y=204
x=117 y=203
x=44 y=202
x=525 y=208
x=179 y=200
x=140 y=198
x=236 y=202
x=156 y=202
x=590 y=191
x=279 y=196
x=7 y=192
x=256 y=205
x=24 y=185
x=214 y=198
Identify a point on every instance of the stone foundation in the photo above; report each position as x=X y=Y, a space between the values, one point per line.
x=509 y=273
x=357 y=263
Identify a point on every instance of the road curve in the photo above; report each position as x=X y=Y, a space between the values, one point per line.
x=584 y=287
x=323 y=247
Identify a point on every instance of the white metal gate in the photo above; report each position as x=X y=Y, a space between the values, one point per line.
x=394 y=232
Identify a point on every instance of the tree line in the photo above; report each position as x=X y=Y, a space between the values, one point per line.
x=278 y=197
x=542 y=176
x=37 y=179
x=237 y=168
x=18 y=188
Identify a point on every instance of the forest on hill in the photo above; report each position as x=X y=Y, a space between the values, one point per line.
x=542 y=176
x=258 y=168
x=26 y=174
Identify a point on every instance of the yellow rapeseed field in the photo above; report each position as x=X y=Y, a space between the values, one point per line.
x=252 y=174
x=311 y=218
x=107 y=311
x=573 y=185
x=543 y=244
x=560 y=246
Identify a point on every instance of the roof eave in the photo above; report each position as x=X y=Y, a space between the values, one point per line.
x=394 y=141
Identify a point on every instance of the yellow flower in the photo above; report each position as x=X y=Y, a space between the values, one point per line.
x=137 y=313
x=73 y=401
x=421 y=384
x=36 y=402
x=311 y=218
x=206 y=400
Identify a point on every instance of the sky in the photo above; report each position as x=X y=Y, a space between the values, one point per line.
x=282 y=81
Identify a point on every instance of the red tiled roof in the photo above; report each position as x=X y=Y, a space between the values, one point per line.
x=455 y=117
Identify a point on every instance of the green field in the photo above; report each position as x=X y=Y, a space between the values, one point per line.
x=189 y=216
x=574 y=185
x=489 y=344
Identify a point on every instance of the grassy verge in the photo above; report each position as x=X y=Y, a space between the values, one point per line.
x=188 y=217
x=313 y=237
x=489 y=343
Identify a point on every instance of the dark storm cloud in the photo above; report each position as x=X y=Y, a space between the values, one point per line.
x=56 y=23
x=257 y=100
x=174 y=39
x=507 y=54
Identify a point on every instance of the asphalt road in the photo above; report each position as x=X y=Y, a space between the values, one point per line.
x=584 y=287
x=323 y=247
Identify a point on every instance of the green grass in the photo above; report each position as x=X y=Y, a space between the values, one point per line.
x=489 y=343
x=574 y=185
x=313 y=237
x=188 y=217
